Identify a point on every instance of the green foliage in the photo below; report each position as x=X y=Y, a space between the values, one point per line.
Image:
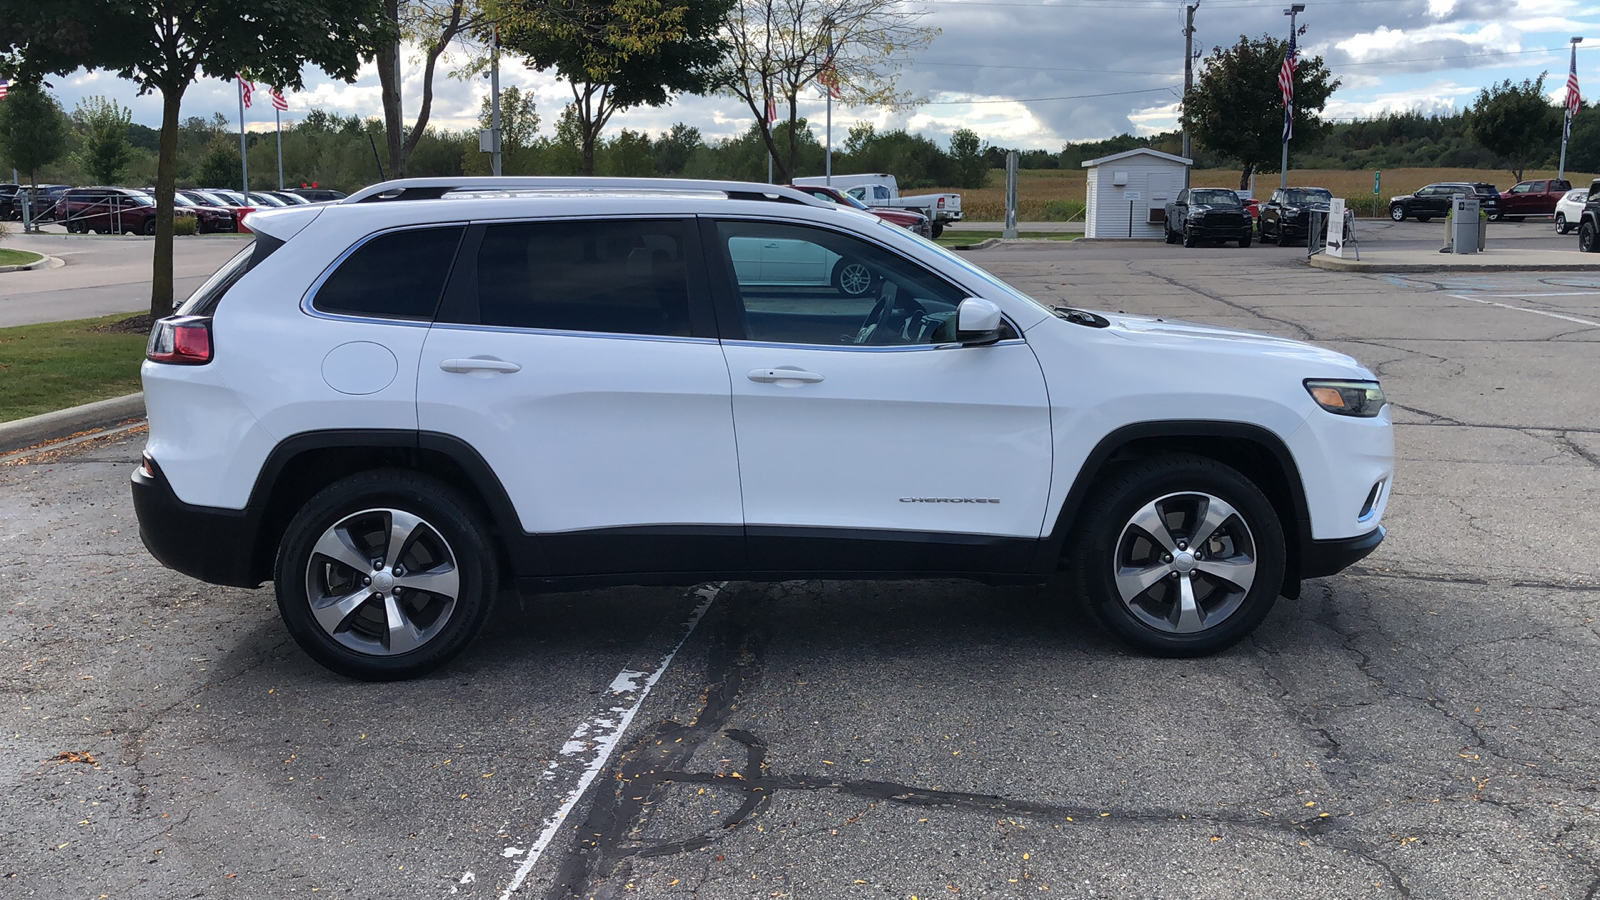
x=914 y=160
x=219 y=168
x=185 y=225
x=102 y=126
x=1064 y=211
x=673 y=149
x=628 y=156
x=1515 y=122
x=1236 y=109
x=33 y=129
x=966 y=154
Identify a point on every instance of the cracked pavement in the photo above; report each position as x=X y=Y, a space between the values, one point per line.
x=1423 y=725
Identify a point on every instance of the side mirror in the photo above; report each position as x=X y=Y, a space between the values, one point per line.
x=977 y=322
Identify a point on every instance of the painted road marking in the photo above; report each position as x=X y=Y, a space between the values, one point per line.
x=1537 y=312
x=596 y=738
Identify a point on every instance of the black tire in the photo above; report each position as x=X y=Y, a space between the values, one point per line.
x=1275 y=237
x=1588 y=241
x=1397 y=212
x=936 y=229
x=448 y=539
x=1171 y=236
x=1515 y=218
x=1106 y=540
x=1189 y=239
x=853 y=278
x=1424 y=218
x=150 y=226
x=1244 y=240
x=1561 y=224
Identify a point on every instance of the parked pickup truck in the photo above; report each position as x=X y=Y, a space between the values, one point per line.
x=881 y=190
x=1533 y=198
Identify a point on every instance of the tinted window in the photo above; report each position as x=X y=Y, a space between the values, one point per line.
x=802 y=285
x=397 y=275
x=1214 y=198
x=617 y=277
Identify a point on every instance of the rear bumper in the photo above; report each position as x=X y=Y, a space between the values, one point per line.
x=204 y=542
x=1320 y=558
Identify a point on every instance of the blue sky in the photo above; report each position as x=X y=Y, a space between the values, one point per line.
x=996 y=61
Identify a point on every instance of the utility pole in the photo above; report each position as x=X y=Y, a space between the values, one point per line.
x=1188 y=79
x=1288 y=103
x=494 y=103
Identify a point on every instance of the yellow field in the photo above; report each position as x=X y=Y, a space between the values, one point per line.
x=1036 y=187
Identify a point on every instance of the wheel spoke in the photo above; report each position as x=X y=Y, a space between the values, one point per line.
x=443 y=581
x=1186 y=613
x=403 y=635
x=1133 y=581
x=335 y=544
x=1211 y=515
x=402 y=525
x=1149 y=521
x=333 y=612
x=1238 y=571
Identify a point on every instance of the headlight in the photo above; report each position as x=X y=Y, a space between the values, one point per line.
x=1363 y=399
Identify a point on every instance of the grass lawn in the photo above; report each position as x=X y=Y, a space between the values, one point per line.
x=61 y=364
x=18 y=257
x=953 y=238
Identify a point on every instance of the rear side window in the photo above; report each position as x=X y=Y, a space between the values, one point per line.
x=624 y=276
x=398 y=275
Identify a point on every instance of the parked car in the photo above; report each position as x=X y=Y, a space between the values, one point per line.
x=8 y=201
x=1589 y=221
x=1251 y=205
x=1434 y=200
x=109 y=210
x=318 y=195
x=288 y=198
x=212 y=219
x=1569 y=210
x=760 y=262
x=1533 y=198
x=639 y=427
x=242 y=207
x=1207 y=214
x=912 y=221
x=43 y=205
x=881 y=190
x=1286 y=215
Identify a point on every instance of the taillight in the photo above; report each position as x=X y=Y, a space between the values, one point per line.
x=180 y=340
x=941 y=203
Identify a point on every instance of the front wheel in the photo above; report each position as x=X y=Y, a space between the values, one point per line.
x=852 y=278
x=1397 y=213
x=1188 y=236
x=385 y=575
x=1588 y=241
x=1178 y=555
x=1244 y=240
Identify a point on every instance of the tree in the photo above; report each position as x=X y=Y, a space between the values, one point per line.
x=966 y=151
x=519 y=127
x=616 y=54
x=1515 y=122
x=433 y=25
x=779 y=47
x=33 y=130
x=220 y=165
x=1236 y=108
x=673 y=149
x=164 y=45
x=103 y=125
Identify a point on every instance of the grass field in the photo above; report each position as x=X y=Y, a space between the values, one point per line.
x=17 y=257
x=61 y=364
x=1036 y=187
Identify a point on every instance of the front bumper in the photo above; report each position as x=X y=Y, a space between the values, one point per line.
x=1321 y=558
x=214 y=545
x=1225 y=230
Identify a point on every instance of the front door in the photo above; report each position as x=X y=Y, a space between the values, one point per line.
x=867 y=440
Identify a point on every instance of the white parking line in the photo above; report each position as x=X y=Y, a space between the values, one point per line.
x=597 y=737
x=1537 y=312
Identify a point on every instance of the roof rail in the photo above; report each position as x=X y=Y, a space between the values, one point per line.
x=434 y=188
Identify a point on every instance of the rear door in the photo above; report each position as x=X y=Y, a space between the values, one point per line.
x=579 y=359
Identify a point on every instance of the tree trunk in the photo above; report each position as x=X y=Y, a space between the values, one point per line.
x=1244 y=177
x=166 y=180
x=388 y=60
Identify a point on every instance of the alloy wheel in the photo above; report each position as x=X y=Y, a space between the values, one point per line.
x=855 y=279
x=1184 y=563
x=382 y=582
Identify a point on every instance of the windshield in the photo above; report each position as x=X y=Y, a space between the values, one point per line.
x=138 y=200
x=972 y=269
x=1214 y=198
x=853 y=202
x=1308 y=196
x=181 y=200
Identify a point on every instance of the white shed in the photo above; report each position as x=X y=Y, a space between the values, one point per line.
x=1140 y=180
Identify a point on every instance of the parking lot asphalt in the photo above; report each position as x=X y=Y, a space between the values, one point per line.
x=1423 y=725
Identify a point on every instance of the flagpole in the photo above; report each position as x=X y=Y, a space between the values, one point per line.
x=277 y=116
x=244 y=161
x=1288 y=105
x=1566 y=125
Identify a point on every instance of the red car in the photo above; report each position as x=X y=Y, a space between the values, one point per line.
x=912 y=221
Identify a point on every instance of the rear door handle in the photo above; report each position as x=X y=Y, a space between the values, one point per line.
x=781 y=375
x=479 y=364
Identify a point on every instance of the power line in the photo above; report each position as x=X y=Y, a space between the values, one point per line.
x=1170 y=87
x=916 y=63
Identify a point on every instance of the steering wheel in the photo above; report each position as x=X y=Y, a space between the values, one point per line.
x=875 y=328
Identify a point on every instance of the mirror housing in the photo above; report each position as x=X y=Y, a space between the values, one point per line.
x=977 y=322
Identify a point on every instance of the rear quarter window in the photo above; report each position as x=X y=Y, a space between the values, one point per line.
x=399 y=275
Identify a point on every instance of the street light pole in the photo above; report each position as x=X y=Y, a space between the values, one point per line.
x=1288 y=106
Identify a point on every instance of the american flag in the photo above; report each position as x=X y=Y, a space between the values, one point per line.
x=1574 y=101
x=245 y=88
x=830 y=76
x=1286 y=86
x=278 y=103
x=772 y=106
x=5 y=88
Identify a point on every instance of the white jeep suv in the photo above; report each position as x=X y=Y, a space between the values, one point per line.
x=395 y=404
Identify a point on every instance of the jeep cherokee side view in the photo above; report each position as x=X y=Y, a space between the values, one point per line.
x=393 y=404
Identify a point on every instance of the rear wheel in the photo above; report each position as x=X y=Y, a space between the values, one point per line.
x=1178 y=555
x=938 y=229
x=150 y=225
x=1171 y=236
x=852 y=278
x=385 y=575
x=1424 y=218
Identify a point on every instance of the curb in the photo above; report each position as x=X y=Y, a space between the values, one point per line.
x=1334 y=264
x=63 y=423
x=45 y=261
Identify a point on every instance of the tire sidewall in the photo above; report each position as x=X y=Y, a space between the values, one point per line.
x=1397 y=213
x=1095 y=546
x=432 y=501
x=1586 y=237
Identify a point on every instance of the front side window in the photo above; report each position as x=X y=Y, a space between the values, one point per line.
x=803 y=285
x=398 y=275
x=621 y=276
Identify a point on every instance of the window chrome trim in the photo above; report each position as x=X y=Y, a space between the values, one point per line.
x=556 y=332
x=309 y=297
x=877 y=348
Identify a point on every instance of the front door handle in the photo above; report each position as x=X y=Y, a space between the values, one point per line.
x=784 y=376
x=479 y=364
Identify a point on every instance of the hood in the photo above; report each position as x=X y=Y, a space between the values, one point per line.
x=1193 y=335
